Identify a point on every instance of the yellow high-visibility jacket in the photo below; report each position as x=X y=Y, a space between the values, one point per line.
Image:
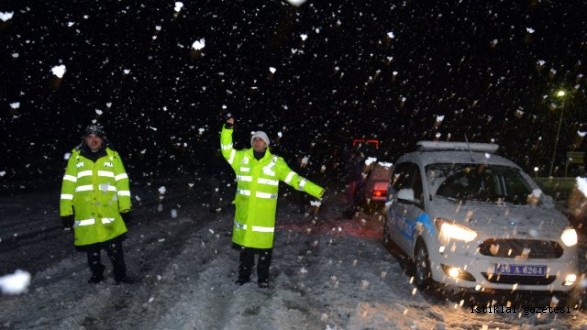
x=96 y=193
x=257 y=190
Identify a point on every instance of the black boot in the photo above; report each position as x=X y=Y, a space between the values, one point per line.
x=263 y=268
x=126 y=280
x=96 y=278
x=241 y=281
x=95 y=266
x=116 y=255
x=245 y=266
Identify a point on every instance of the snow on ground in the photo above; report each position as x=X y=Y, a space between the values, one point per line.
x=327 y=273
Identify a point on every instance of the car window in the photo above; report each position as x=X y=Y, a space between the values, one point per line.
x=401 y=177
x=407 y=175
x=491 y=183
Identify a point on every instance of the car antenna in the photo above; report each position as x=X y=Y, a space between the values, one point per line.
x=469 y=147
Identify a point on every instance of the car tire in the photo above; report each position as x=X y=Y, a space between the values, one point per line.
x=422 y=271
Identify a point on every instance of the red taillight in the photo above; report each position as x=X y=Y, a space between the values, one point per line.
x=378 y=193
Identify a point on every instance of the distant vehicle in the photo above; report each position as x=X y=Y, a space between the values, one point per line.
x=471 y=219
x=377 y=175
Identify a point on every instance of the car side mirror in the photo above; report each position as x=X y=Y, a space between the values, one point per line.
x=407 y=195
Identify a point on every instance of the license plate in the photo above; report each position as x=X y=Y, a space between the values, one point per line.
x=522 y=270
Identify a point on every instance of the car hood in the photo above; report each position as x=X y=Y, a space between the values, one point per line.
x=502 y=220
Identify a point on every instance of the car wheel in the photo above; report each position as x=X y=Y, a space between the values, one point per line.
x=423 y=273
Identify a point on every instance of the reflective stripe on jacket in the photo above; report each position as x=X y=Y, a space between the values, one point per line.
x=96 y=193
x=257 y=191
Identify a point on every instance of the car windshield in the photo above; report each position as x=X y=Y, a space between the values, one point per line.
x=482 y=182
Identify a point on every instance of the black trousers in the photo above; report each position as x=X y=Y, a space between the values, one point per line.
x=115 y=254
x=247 y=262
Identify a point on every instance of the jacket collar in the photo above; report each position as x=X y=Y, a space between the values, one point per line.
x=251 y=154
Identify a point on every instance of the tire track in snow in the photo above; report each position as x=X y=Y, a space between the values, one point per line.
x=215 y=272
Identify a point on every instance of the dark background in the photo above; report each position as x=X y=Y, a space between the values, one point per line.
x=490 y=68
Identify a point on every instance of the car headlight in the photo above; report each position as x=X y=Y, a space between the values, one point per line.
x=569 y=237
x=450 y=230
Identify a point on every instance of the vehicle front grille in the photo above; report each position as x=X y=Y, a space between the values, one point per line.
x=521 y=248
x=517 y=279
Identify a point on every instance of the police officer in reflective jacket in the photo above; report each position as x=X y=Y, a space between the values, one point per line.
x=95 y=202
x=258 y=173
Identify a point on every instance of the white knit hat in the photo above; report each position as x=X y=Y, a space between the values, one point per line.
x=261 y=135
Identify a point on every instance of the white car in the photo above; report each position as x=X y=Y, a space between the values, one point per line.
x=471 y=219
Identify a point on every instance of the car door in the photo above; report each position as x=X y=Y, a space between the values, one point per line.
x=406 y=195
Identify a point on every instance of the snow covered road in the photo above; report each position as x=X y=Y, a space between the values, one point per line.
x=326 y=274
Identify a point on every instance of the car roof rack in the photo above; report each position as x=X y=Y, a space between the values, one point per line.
x=456 y=146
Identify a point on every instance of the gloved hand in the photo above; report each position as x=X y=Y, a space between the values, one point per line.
x=126 y=216
x=315 y=206
x=67 y=222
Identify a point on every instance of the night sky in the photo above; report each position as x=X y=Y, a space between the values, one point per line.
x=342 y=70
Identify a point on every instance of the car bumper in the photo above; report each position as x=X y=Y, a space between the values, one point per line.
x=478 y=272
x=376 y=199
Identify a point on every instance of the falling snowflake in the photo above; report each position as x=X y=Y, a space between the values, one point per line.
x=296 y=3
x=104 y=187
x=199 y=44
x=59 y=70
x=6 y=16
x=15 y=283
x=370 y=160
x=305 y=160
x=582 y=185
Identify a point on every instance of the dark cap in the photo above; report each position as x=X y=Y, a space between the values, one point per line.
x=96 y=129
